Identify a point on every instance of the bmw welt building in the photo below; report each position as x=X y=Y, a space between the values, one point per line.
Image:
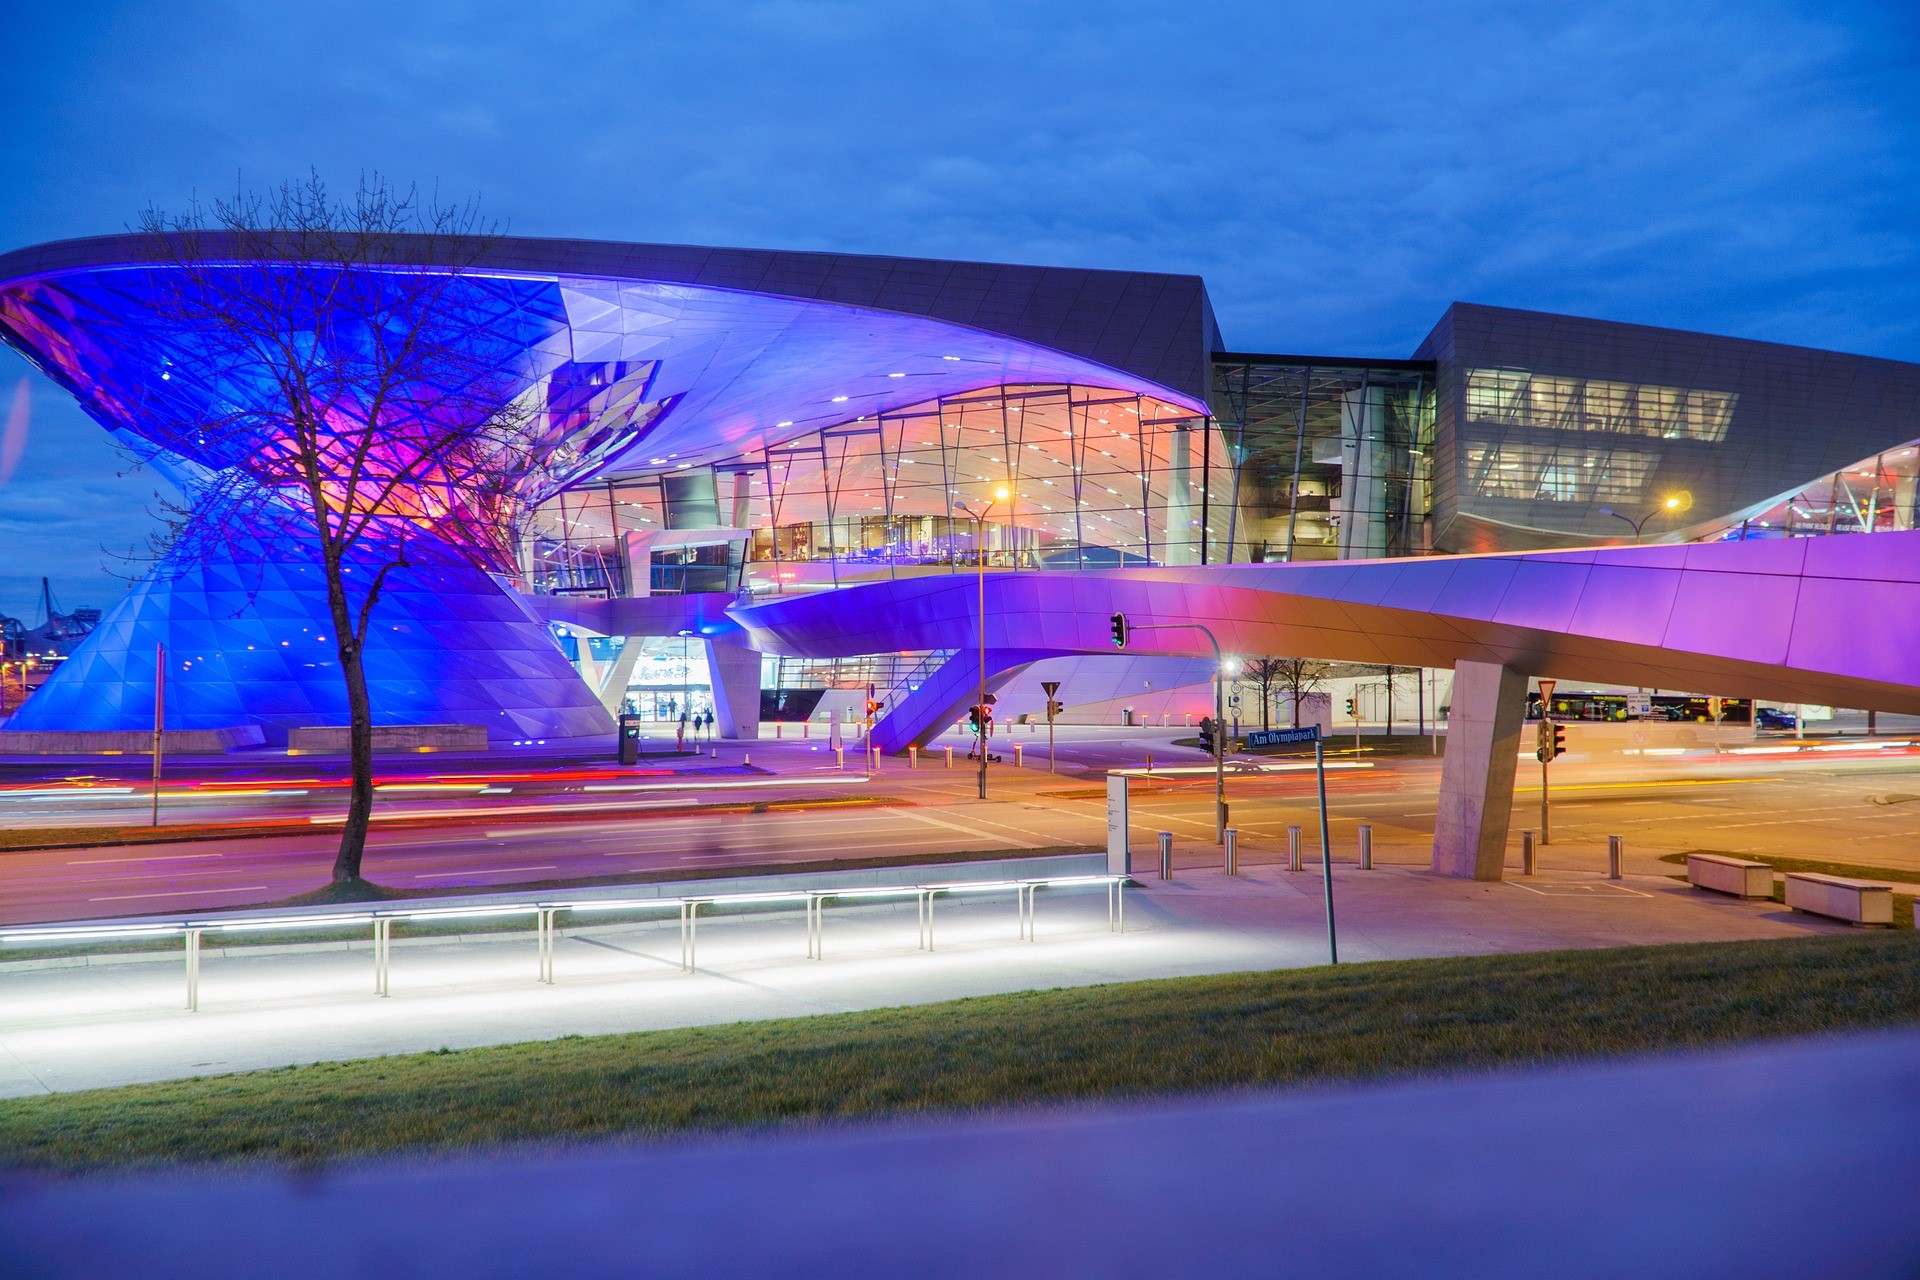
x=756 y=476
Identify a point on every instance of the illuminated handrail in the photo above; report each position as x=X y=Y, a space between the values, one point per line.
x=545 y=909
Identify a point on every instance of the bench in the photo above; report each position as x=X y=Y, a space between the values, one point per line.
x=1737 y=876
x=1859 y=901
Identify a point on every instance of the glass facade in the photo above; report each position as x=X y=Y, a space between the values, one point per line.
x=1094 y=478
x=1334 y=458
x=1298 y=461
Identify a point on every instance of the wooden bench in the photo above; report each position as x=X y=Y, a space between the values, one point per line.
x=1737 y=876
x=1859 y=901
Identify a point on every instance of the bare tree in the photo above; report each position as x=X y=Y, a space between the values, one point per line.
x=1300 y=676
x=1265 y=673
x=338 y=408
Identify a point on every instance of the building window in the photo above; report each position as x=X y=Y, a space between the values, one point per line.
x=1519 y=398
x=1553 y=473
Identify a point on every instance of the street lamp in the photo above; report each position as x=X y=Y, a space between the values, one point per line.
x=1672 y=505
x=980 y=556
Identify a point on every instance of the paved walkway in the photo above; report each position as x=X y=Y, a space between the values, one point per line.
x=107 y=1024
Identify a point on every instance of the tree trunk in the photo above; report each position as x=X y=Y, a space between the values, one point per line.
x=1389 y=702
x=353 y=836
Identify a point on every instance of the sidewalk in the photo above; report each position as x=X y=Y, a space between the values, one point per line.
x=78 y=1028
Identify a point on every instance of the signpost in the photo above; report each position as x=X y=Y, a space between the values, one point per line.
x=1546 y=747
x=1050 y=687
x=1326 y=842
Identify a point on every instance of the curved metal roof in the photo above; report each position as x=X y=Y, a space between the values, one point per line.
x=741 y=348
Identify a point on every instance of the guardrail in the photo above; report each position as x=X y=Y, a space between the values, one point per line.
x=546 y=911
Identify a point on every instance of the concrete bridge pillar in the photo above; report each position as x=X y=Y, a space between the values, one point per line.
x=1476 y=779
x=735 y=673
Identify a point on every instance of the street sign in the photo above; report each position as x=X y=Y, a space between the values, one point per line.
x=1258 y=738
x=1546 y=690
x=1050 y=687
x=1119 y=857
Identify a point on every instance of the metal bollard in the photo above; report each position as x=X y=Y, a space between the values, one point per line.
x=1526 y=853
x=746 y=759
x=1366 y=846
x=913 y=757
x=949 y=757
x=839 y=757
x=776 y=730
x=1616 y=854
x=1293 y=848
x=1166 y=855
x=1149 y=762
x=1232 y=847
x=806 y=728
x=1018 y=747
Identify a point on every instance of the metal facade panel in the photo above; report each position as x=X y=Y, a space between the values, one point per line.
x=1799 y=413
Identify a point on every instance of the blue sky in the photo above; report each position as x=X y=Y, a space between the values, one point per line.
x=1338 y=173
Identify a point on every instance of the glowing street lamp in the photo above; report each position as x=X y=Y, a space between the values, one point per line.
x=1673 y=505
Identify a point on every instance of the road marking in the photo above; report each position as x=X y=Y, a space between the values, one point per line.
x=484 y=871
x=181 y=893
x=973 y=832
x=163 y=857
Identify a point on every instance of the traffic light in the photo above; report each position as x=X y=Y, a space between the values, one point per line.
x=1055 y=708
x=1550 y=741
x=1351 y=713
x=973 y=717
x=873 y=707
x=1119 y=621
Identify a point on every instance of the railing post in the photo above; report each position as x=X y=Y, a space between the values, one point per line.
x=193 y=971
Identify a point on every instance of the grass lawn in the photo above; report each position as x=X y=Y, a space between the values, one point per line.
x=1177 y=1035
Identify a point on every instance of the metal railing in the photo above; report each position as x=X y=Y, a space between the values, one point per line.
x=546 y=910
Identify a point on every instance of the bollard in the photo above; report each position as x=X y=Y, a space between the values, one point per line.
x=1526 y=853
x=777 y=726
x=913 y=757
x=1018 y=747
x=1166 y=855
x=1616 y=853
x=746 y=759
x=949 y=757
x=839 y=757
x=1293 y=848
x=1149 y=762
x=806 y=728
x=1232 y=847
x=1366 y=846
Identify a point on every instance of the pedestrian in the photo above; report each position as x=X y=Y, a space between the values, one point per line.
x=680 y=737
